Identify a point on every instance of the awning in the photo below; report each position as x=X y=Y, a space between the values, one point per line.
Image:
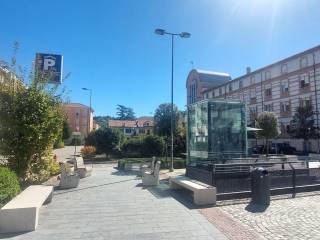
x=253 y=129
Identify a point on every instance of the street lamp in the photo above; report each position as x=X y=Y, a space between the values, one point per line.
x=182 y=35
x=90 y=90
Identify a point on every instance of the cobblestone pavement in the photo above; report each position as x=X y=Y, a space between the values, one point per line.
x=295 y=218
x=113 y=205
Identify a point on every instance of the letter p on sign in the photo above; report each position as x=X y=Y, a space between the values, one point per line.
x=48 y=62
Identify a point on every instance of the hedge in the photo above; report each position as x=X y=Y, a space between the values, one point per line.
x=9 y=185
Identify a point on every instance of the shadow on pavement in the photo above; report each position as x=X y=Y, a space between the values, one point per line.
x=256 y=208
x=11 y=235
x=183 y=196
x=63 y=191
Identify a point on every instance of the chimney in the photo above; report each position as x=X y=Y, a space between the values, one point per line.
x=248 y=70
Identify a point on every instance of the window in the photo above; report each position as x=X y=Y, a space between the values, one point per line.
x=252 y=80
x=253 y=97
x=128 y=130
x=284 y=88
x=304 y=80
x=240 y=83
x=284 y=69
x=207 y=96
x=142 y=131
x=212 y=93
x=268 y=91
x=220 y=91
x=267 y=75
x=305 y=101
x=148 y=131
x=303 y=62
x=230 y=87
x=268 y=107
x=285 y=106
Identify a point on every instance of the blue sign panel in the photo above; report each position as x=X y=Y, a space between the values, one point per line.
x=50 y=65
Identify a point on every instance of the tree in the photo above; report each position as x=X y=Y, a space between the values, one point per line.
x=31 y=121
x=162 y=120
x=105 y=140
x=302 y=124
x=125 y=113
x=66 y=133
x=267 y=121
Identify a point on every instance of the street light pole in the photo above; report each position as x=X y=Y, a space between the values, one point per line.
x=182 y=35
x=89 y=112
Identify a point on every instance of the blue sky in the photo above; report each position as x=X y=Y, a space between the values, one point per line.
x=110 y=46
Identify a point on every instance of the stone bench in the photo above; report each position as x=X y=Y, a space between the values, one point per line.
x=22 y=212
x=203 y=194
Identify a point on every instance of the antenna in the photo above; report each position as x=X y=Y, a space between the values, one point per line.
x=192 y=64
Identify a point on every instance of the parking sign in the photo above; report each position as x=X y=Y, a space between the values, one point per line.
x=51 y=66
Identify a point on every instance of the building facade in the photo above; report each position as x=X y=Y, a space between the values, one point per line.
x=80 y=118
x=8 y=77
x=279 y=87
x=140 y=126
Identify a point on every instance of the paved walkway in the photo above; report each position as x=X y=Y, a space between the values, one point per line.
x=295 y=218
x=113 y=205
x=66 y=153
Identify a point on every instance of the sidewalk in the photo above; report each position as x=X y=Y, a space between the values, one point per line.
x=114 y=205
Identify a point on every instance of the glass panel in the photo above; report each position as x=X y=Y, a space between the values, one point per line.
x=227 y=130
x=198 y=132
x=216 y=131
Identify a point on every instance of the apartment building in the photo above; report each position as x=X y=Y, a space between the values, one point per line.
x=80 y=118
x=279 y=87
x=140 y=126
x=8 y=77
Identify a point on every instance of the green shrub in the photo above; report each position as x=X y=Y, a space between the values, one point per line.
x=105 y=140
x=144 y=146
x=177 y=163
x=58 y=144
x=9 y=185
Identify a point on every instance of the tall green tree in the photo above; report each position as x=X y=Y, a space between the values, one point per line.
x=162 y=120
x=125 y=113
x=302 y=125
x=267 y=122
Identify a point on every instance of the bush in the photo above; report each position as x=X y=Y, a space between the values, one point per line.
x=9 y=185
x=88 y=150
x=58 y=144
x=177 y=163
x=145 y=146
x=105 y=140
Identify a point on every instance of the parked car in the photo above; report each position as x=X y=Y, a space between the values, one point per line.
x=282 y=148
x=274 y=148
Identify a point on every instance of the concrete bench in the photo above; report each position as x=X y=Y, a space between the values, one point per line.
x=22 y=212
x=203 y=194
x=82 y=170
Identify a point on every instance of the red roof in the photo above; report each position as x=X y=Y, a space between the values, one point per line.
x=140 y=122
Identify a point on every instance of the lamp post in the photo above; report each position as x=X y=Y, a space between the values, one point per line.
x=88 y=127
x=182 y=35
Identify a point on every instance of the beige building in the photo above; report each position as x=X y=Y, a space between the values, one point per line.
x=140 y=126
x=279 y=87
x=80 y=118
x=8 y=77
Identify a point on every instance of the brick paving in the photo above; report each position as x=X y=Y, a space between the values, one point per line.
x=295 y=218
x=113 y=205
